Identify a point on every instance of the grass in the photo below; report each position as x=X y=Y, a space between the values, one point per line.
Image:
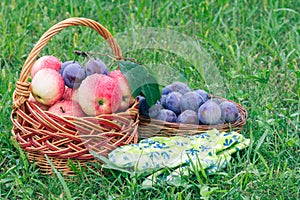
x=254 y=45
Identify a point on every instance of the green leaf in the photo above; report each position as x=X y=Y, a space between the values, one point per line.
x=141 y=81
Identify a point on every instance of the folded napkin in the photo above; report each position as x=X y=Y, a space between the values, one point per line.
x=178 y=156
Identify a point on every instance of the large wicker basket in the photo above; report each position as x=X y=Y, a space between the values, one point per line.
x=65 y=139
x=153 y=127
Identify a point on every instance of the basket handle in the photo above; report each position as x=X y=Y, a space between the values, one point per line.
x=22 y=91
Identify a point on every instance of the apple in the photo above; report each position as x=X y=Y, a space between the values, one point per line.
x=70 y=94
x=99 y=94
x=45 y=62
x=67 y=93
x=47 y=86
x=31 y=99
x=66 y=108
x=127 y=98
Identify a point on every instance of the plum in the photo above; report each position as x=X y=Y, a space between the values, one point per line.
x=73 y=75
x=230 y=112
x=217 y=100
x=191 y=101
x=173 y=102
x=188 y=117
x=163 y=100
x=203 y=94
x=209 y=113
x=143 y=106
x=96 y=66
x=180 y=87
x=154 y=110
x=65 y=64
x=166 y=115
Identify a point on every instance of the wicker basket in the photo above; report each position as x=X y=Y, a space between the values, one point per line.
x=41 y=133
x=153 y=127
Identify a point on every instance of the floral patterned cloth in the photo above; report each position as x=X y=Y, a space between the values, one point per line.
x=179 y=155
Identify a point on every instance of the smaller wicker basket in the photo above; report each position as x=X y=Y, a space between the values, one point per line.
x=65 y=139
x=153 y=127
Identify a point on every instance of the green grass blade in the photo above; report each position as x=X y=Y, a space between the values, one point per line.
x=61 y=179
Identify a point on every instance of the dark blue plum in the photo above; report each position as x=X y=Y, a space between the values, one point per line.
x=188 y=117
x=191 y=101
x=73 y=75
x=143 y=106
x=167 y=115
x=230 y=112
x=173 y=102
x=209 y=113
x=96 y=66
x=180 y=87
x=203 y=94
x=65 y=64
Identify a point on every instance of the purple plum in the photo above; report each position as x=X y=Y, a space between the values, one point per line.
x=154 y=110
x=188 y=117
x=209 y=113
x=191 y=101
x=173 y=102
x=96 y=66
x=230 y=112
x=180 y=87
x=73 y=75
x=167 y=115
x=203 y=94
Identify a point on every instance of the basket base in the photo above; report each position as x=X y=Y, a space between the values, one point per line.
x=61 y=164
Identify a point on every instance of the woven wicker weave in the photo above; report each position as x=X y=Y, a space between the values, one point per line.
x=42 y=133
x=153 y=127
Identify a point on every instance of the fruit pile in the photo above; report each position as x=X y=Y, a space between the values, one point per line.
x=71 y=89
x=180 y=104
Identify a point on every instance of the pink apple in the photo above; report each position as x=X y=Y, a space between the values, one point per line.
x=70 y=94
x=47 y=86
x=45 y=62
x=66 y=108
x=99 y=94
x=33 y=100
x=122 y=81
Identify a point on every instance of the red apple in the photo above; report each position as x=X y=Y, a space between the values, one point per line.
x=99 y=94
x=66 y=108
x=33 y=100
x=47 y=86
x=122 y=81
x=71 y=94
x=68 y=93
x=45 y=62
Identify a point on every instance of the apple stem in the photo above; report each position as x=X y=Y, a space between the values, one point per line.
x=100 y=102
x=62 y=110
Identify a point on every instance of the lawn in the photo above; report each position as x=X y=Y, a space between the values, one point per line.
x=254 y=47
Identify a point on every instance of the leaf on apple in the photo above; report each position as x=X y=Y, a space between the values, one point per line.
x=141 y=80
